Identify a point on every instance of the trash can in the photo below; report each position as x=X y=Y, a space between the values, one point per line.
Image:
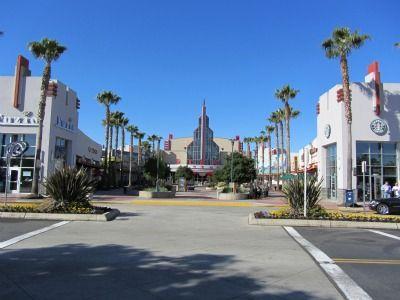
x=349 y=201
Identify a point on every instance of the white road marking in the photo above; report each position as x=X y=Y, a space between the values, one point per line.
x=385 y=234
x=30 y=234
x=348 y=287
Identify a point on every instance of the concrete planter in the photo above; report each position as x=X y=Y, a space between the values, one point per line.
x=108 y=216
x=322 y=223
x=232 y=196
x=156 y=195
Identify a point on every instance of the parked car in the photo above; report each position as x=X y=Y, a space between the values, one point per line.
x=386 y=206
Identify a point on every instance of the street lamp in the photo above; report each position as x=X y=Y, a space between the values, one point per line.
x=232 y=143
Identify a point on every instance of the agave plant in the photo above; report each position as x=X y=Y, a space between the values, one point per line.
x=293 y=190
x=69 y=186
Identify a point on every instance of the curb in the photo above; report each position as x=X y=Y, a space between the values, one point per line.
x=322 y=223
x=108 y=216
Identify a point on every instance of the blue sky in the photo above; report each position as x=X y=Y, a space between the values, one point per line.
x=164 y=57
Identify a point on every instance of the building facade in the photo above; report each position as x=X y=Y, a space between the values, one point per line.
x=375 y=137
x=63 y=143
x=202 y=152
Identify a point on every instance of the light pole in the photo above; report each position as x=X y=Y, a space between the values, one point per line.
x=232 y=143
x=305 y=180
x=158 y=162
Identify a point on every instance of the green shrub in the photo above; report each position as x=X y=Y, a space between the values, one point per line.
x=68 y=187
x=293 y=189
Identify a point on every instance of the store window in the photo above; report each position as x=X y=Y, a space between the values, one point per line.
x=331 y=171
x=61 y=149
x=22 y=166
x=381 y=161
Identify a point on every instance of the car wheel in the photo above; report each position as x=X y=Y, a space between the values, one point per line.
x=382 y=209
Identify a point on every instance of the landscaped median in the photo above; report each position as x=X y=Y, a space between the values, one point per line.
x=32 y=212
x=334 y=220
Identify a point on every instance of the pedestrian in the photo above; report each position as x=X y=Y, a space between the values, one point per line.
x=396 y=190
x=386 y=189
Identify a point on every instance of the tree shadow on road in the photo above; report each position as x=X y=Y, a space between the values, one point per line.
x=79 y=271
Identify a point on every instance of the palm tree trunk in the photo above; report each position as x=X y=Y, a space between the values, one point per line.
x=348 y=114
x=256 y=155
x=270 y=162
x=277 y=153
x=287 y=125
x=121 y=168
x=130 y=161
x=41 y=113
x=107 y=162
x=282 y=146
x=139 y=151
x=116 y=142
x=111 y=140
x=248 y=150
x=262 y=159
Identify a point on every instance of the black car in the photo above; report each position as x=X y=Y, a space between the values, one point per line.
x=386 y=206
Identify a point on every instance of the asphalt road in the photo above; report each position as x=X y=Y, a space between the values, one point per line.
x=10 y=228
x=370 y=259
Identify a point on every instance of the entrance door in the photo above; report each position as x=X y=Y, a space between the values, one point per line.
x=375 y=186
x=13 y=180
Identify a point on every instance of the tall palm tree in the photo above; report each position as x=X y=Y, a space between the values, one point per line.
x=112 y=125
x=269 y=129
x=133 y=130
x=124 y=122
x=293 y=114
x=107 y=98
x=49 y=51
x=274 y=118
x=247 y=140
x=340 y=45
x=256 y=141
x=281 y=115
x=140 y=136
x=285 y=94
x=262 y=139
x=147 y=149
x=118 y=118
x=152 y=139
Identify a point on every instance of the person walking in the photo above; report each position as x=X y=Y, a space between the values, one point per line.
x=396 y=190
x=386 y=189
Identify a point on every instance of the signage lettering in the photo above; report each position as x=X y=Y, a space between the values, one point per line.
x=18 y=121
x=64 y=124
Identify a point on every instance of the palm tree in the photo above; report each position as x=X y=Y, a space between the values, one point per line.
x=262 y=139
x=285 y=94
x=118 y=118
x=147 y=149
x=340 y=45
x=281 y=115
x=152 y=139
x=133 y=130
x=140 y=136
x=269 y=130
x=49 y=51
x=256 y=140
x=107 y=98
x=247 y=140
x=112 y=125
x=274 y=118
x=124 y=122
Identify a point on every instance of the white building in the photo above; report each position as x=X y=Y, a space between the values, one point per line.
x=63 y=143
x=375 y=137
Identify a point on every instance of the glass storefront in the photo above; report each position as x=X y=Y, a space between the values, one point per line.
x=21 y=168
x=381 y=167
x=331 y=171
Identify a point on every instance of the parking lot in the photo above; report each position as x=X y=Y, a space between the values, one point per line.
x=11 y=228
x=371 y=259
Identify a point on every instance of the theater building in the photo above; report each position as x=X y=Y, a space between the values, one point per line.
x=63 y=143
x=375 y=137
x=202 y=152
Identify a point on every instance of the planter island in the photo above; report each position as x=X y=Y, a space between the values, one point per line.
x=156 y=195
x=232 y=196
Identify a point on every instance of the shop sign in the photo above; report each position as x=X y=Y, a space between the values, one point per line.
x=379 y=127
x=67 y=125
x=18 y=121
x=92 y=150
x=327 y=131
